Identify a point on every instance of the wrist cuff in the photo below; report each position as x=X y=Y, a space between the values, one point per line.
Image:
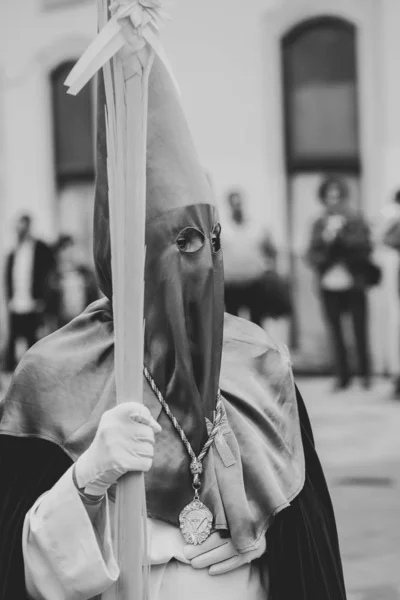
x=86 y=498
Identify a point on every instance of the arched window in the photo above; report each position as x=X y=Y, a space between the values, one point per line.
x=73 y=129
x=74 y=160
x=320 y=91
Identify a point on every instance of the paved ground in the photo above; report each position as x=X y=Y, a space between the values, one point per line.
x=358 y=437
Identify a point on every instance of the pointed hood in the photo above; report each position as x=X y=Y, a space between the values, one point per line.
x=184 y=301
x=175 y=178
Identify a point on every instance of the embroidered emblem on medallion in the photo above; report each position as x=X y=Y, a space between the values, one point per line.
x=195 y=522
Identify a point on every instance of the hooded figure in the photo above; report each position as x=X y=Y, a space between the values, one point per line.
x=262 y=481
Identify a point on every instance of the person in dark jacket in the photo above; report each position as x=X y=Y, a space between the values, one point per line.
x=28 y=272
x=339 y=251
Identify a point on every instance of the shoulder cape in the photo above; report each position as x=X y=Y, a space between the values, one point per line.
x=41 y=433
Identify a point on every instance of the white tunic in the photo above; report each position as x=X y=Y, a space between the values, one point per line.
x=68 y=558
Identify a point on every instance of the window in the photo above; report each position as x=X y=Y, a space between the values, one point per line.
x=73 y=129
x=320 y=91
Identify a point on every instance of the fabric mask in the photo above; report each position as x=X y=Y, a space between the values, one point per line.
x=184 y=298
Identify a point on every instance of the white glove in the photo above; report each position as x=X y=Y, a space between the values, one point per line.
x=124 y=442
x=220 y=555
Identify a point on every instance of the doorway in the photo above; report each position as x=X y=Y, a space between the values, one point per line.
x=320 y=90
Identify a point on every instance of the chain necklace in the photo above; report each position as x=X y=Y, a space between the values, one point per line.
x=195 y=519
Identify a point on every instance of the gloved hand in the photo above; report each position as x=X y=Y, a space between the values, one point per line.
x=124 y=442
x=220 y=555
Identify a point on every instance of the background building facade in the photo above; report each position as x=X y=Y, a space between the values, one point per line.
x=277 y=94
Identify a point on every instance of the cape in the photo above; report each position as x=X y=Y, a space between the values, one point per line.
x=283 y=485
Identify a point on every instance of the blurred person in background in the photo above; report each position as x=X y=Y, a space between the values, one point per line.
x=76 y=282
x=29 y=269
x=389 y=234
x=251 y=280
x=339 y=252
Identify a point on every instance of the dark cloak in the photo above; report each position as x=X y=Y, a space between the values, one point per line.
x=303 y=550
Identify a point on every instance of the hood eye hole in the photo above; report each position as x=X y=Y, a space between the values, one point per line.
x=216 y=238
x=190 y=240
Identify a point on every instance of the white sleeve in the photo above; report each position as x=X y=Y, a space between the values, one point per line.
x=66 y=557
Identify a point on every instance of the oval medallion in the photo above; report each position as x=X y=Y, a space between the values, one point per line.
x=195 y=523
